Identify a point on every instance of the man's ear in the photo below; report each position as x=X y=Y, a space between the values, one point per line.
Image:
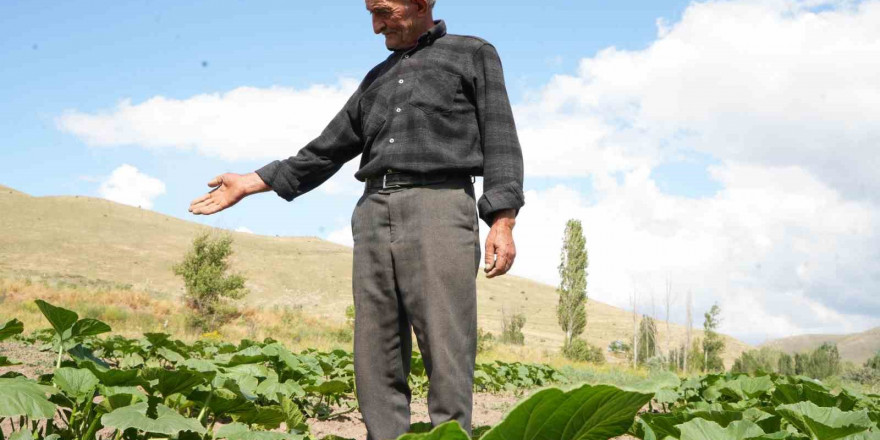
x=422 y=7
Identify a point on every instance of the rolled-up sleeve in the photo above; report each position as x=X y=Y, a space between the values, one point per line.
x=321 y=158
x=502 y=155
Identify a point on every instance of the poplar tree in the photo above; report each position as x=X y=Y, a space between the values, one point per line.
x=571 y=310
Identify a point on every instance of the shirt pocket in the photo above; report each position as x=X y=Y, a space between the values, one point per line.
x=435 y=91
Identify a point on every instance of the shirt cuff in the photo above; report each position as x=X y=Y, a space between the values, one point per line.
x=507 y=196
x=283 y=187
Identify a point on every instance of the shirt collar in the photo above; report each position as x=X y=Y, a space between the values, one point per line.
x=437 y=31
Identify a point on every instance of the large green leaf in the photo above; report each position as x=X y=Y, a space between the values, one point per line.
x=585 y=413
x=745 y=387
x=77 y=383
x=328 y=388
x=240 y=431
x=10 y=329
x=824 y=423
x=22 y=397
x=659 y=426
x=447 y=431
x=89 y=327
x=168 y=382
x=700 y=429
x=62 y=320
x=168 y=422
x=5 y=362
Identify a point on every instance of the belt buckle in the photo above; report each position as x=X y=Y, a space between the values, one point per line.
x=385 y=181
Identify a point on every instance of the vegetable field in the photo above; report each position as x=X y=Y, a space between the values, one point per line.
x=110 y=387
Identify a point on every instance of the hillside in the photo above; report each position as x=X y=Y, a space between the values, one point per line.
x=856 y=347
x=102 y=240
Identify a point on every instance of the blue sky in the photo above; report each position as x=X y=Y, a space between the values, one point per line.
x=725 y=145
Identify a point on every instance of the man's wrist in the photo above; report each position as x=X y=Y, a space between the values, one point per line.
x=504 y=217
x=254 y=184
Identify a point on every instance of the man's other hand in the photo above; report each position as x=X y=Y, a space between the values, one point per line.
x=228 y=190
x=500 y=250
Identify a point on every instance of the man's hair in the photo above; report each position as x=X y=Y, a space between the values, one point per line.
x=431 y=3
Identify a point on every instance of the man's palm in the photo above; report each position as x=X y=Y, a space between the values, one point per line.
x=228 y=190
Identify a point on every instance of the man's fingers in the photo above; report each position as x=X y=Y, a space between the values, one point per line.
x=216 y=181
x=501 y=266
x=489 y=258
x=200 y=199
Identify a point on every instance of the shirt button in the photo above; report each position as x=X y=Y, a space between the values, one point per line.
x=398 y=110
x=400 y=81
x=406 y=56
x=391 y=140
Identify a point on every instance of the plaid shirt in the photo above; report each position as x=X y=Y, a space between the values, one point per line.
x=441 y=106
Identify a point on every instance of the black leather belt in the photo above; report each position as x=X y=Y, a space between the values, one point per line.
x=393 y=179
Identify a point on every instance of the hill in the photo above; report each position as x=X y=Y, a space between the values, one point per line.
x=76 y=236
x=856 y=347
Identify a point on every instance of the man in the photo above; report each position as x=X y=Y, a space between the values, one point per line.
x=425 y=120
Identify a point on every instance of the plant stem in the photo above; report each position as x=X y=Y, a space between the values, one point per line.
x=337 y=414
x=60 y=352
x=90 y=434
x=205 y=407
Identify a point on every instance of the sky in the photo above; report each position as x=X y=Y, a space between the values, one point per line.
x=727 y=149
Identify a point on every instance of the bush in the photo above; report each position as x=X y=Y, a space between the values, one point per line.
x=581 y=351
x=485 y=340
x=511 y=329
x=764 y=359
x=208 y=286
x=619 y=347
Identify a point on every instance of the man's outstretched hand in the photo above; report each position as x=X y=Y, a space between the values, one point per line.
x=228 y=190
x=500 y=250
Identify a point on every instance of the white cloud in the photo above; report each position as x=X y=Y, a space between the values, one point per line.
x=780 y=250
x=767 y=82
x=245 y=123
x=129 y=186
x=341 y=236
x=244 y=230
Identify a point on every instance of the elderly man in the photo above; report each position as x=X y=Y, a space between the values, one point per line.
x=425 y=120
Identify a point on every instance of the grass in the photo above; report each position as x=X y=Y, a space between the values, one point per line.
x=130 y=249
x=131 y=313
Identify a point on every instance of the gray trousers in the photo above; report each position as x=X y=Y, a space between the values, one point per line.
x=416 y=256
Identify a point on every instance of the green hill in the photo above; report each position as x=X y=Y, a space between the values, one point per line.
x=75 y=236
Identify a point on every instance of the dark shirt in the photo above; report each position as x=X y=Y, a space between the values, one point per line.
x=440 y=107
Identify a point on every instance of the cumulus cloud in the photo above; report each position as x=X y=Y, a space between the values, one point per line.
x=783 y=96
x=129 y=186
x=769 y=82
x=245 y=123
x=244 y=230
x=781 y=251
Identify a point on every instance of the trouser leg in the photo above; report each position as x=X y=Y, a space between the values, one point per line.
x=382 y=341
x=436 y=255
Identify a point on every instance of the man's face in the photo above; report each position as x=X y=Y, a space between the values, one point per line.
x=396 y=20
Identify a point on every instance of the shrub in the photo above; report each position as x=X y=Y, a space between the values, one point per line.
x=511 y=329
x=208 y=285
x=485 y=340
x=581 y=351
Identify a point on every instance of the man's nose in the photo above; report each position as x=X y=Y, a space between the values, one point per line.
x=378 y=25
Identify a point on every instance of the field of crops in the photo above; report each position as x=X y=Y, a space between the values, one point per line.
x=110 y=387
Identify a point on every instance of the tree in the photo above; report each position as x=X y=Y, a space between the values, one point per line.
x=785 y=366
x=690 y=326
x=713 y=345
x=823 y=362
x=208 y=285
x=571 y=310
x=647 y=339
